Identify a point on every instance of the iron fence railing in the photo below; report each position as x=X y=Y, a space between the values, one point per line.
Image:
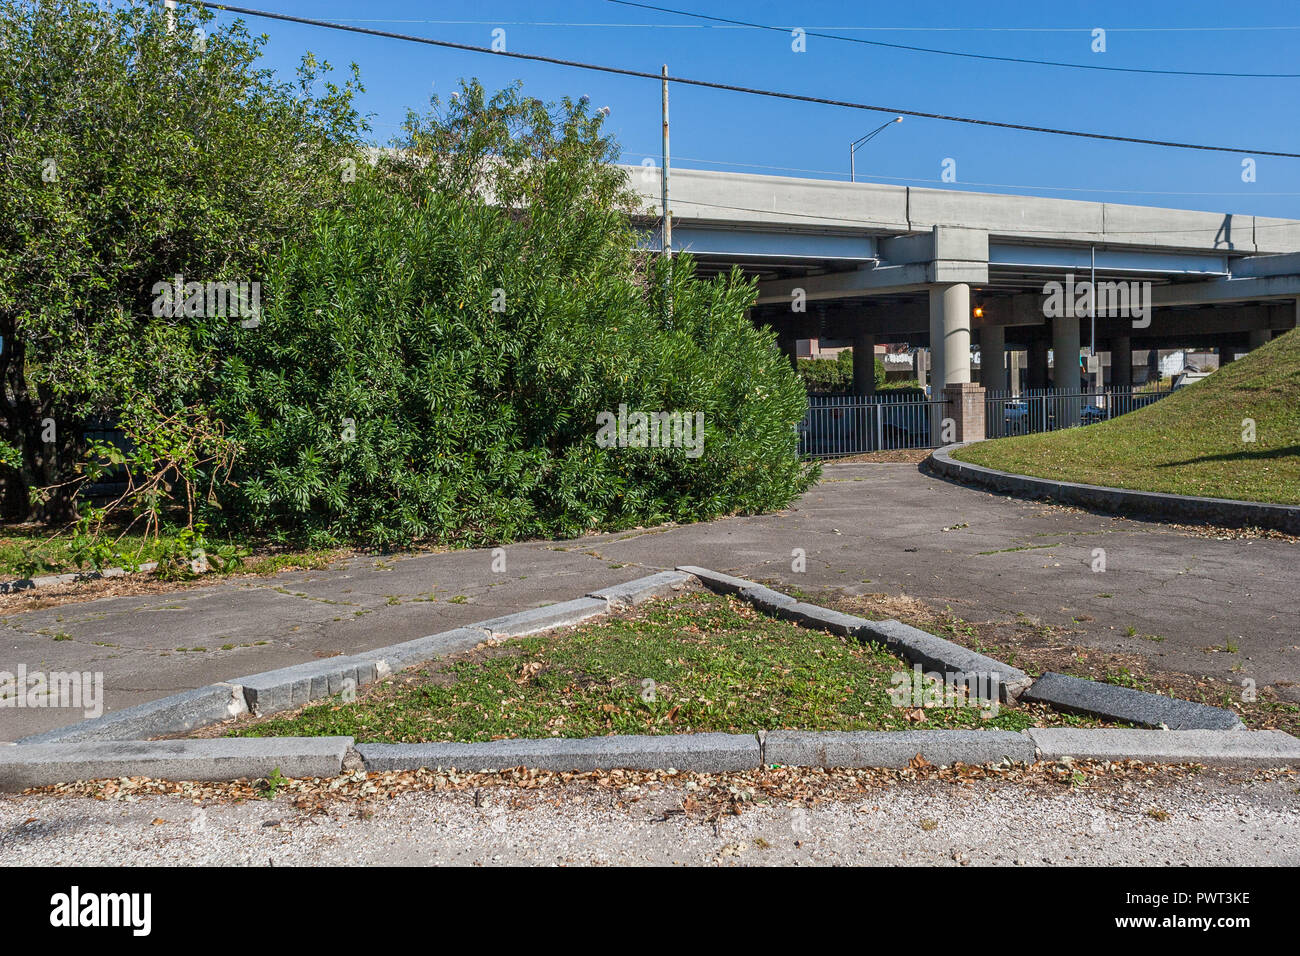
x=839 y=425
x=1047 y=409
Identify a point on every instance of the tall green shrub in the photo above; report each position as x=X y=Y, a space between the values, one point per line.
x=438 y=348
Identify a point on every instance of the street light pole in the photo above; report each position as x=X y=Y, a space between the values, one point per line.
x=862 y=140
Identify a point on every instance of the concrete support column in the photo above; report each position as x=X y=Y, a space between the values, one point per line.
x=1065 y=352
x=956 y=332
x=937 y=351
x=864 y=364
x=1065 y=357
x=993 y=357
x=1036 y=363
x=949 y=348
x=1121 y=362
x=1227 y=353
x=1258 y=337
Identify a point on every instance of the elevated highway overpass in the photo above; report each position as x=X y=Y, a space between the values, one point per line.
x=946 y=269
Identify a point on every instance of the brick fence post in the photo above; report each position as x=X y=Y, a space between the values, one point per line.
x=965 y=406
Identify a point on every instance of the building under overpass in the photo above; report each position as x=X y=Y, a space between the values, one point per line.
x=946 y=269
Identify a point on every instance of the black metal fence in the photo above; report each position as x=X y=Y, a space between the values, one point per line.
x=839 y=425
x=1047 y=409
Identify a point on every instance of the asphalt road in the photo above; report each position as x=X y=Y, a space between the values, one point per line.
x=864 y=528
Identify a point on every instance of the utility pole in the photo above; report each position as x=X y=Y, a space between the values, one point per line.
x=1092 y=314
x=667 y=237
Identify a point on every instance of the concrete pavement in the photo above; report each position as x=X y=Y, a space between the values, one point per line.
x=864 y=528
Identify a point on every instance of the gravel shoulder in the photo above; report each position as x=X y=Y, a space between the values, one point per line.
x=1043 y=816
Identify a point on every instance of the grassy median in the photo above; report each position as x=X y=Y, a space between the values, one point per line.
x=695 y=663
x=1235 y=434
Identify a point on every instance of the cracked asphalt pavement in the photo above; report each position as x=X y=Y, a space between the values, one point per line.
x=1210 y=604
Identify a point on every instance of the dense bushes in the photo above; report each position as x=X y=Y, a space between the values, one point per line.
x=433 y=365
x=137 y=144
x=439 y=329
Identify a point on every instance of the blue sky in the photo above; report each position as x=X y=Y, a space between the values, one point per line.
x=722 y=130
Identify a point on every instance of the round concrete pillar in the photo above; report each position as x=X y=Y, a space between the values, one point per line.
x=864 y=364
x=1121 y=362
x=993 y=357
x=956 y=333
x=1065 y=357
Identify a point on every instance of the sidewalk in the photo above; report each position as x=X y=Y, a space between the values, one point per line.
x=865 y=528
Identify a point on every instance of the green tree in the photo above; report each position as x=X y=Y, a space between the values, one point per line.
x=136 y=147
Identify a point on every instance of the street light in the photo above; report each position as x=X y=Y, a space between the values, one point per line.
x=853 y=146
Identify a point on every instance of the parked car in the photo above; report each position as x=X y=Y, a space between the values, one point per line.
x=1015 y=417
x=1091 y=414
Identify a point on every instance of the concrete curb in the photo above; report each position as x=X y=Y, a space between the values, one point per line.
x=566 y=614
x=887 y=748
x=1224 y=748
x=641 y=590
x=23 y=766
x=910 y=643
x=1125 y=501
x=1125 y=705
x=921 y=647
x=227 y=758
x=703 y=753
x=73 y=577
x=299 y=684
x=176 y=714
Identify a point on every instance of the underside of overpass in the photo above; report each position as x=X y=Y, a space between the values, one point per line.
x=946 y=270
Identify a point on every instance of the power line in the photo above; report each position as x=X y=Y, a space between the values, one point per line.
x=973 y=56
x=857 y=27
x=752 y=91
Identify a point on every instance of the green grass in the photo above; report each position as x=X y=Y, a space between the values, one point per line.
x=31 y=550
x=28 y=551
x=1190 y=443
x=715 y=663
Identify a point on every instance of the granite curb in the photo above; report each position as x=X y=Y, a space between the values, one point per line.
x=1187 y=509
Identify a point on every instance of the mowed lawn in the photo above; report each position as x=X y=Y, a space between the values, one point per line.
x=1190 y=443
x=698 y=662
